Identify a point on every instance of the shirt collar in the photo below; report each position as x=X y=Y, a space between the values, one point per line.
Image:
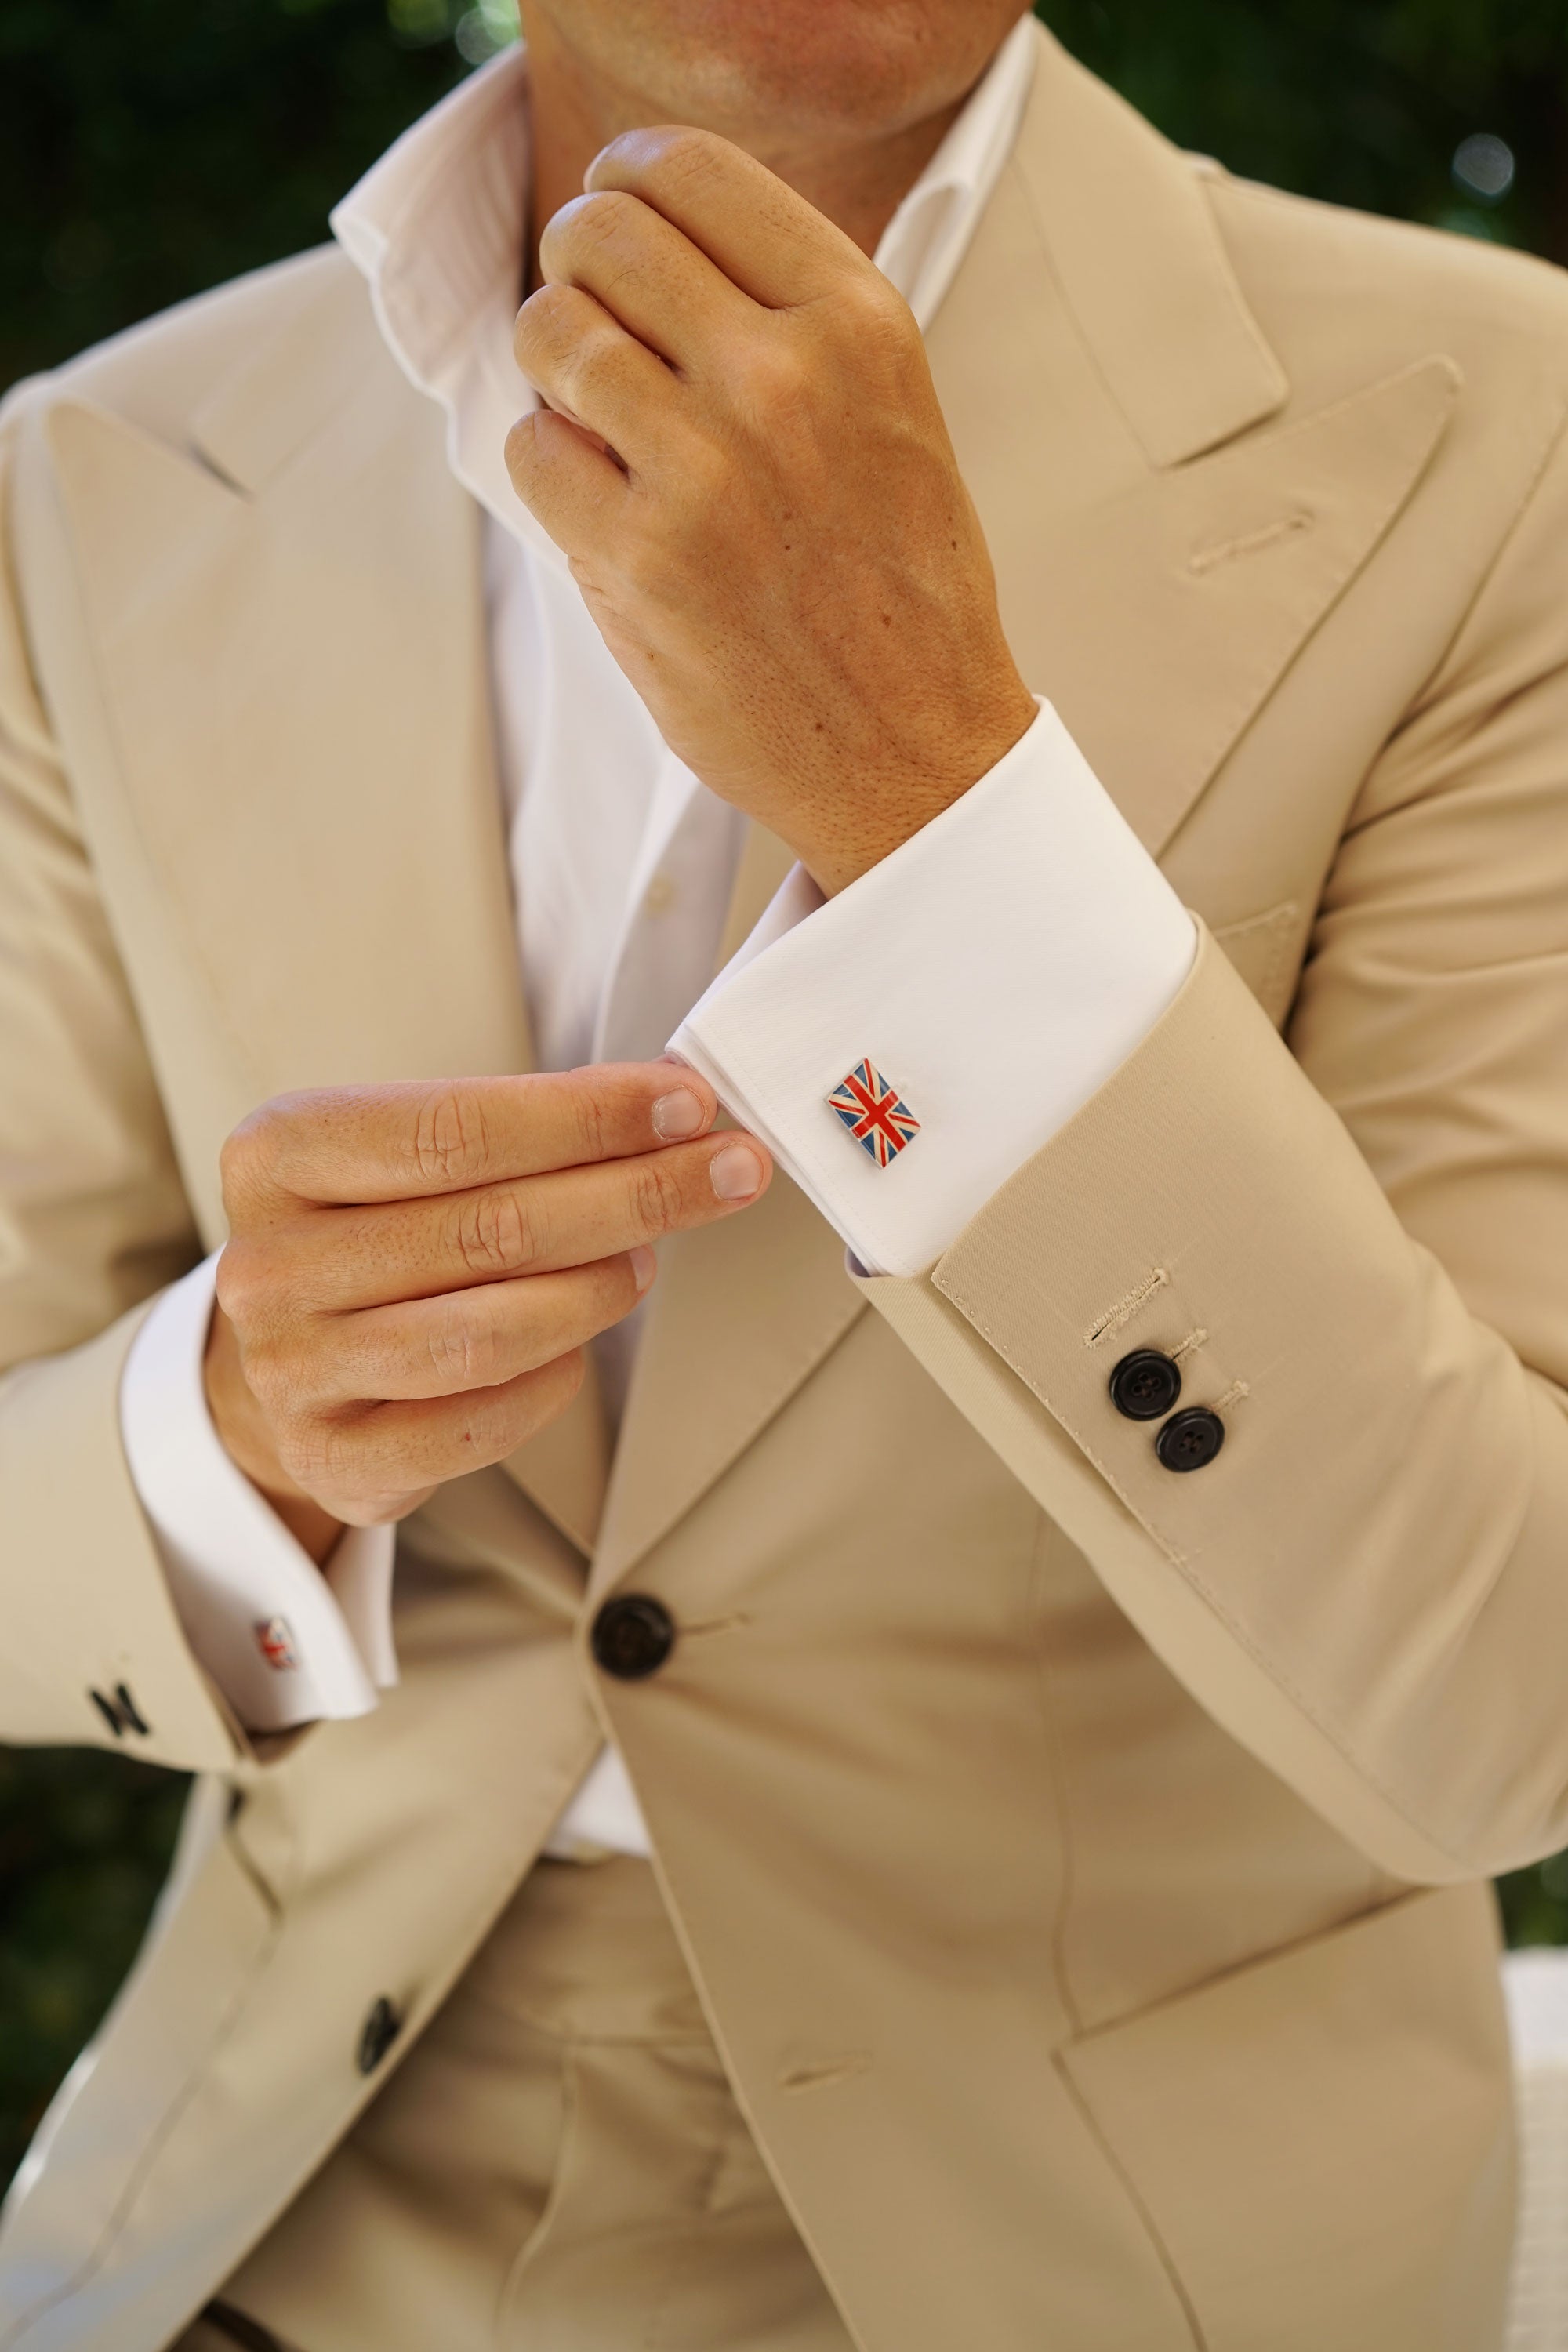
x=928 y=235
x=435 y=227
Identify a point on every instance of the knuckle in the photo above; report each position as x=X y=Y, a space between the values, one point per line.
x=463 y=1348
x=594 y=1123
x=884 y=340
x=522 y=450
x=778 y=374
x=493 y=1234
x=313 y=1451
x=876 y=307
x=657 y=1196
x=780 y=399
x=546 y=315
x=679 y=154
x=449 y=1143
x=352 y=1454
x=589 y=222
x=276 y=1386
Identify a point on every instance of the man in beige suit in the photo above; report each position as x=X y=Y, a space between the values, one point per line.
x=1069 y=1666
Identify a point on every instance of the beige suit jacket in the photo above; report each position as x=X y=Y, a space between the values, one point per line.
x=1079 y=1861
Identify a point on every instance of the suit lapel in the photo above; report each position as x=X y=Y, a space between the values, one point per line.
x=1163 y=547
x=313 y=781
x=1159 y=621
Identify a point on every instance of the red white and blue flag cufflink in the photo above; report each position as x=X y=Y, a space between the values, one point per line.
x=874 y=1113
x=275 y=1640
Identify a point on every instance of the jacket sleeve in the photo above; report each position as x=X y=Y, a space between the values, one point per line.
x=93 y=1221
x=1354 y=1245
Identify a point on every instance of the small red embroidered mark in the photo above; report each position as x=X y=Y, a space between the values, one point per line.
x=275 y=1640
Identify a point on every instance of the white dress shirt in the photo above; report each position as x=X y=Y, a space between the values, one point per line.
x=994 y=970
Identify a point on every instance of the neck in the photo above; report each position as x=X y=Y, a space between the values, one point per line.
x=576 y=109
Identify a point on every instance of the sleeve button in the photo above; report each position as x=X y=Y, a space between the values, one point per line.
x=1145 y=1385
x=1190 y=1440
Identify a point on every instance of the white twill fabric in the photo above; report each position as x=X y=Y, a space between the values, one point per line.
x=990 y=1073
x=1536 y=1986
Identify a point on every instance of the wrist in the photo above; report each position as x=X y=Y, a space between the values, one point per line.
x=855 y=835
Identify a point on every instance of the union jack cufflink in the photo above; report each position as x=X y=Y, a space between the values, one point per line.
x=874 y=1112
x=275 y=1640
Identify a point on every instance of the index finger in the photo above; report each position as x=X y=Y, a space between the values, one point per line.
x=350 y=1145
x=767 y=240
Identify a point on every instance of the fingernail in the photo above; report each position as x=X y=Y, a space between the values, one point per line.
x=645 y=1266
x=737 y=1172
x=677 y=1115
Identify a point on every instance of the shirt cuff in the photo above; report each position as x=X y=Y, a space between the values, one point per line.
x=285 y=1642
x=977 y=987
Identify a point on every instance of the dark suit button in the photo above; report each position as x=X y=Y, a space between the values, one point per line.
x=1190 y=1440
x=633 y=1635
x=1145 y=1385
x=381 y=2028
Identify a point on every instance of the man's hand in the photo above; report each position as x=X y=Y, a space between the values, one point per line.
x=745 y=464
x=414 y=1270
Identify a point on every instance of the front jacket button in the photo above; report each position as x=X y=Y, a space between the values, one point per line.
x=1190 y=1440
x=633 y=1635
x=383 y=2024
x=1146 y=1384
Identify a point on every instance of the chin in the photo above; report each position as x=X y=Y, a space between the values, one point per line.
x=806 y=67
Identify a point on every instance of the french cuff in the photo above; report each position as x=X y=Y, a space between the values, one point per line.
x=285 y=1642
x=905 y=1047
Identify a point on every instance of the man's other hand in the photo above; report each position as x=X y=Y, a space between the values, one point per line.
x=414 y=1270
x=744 y=461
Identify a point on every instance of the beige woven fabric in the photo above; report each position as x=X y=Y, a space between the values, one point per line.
x=1083 y=1868
x=559 y=2163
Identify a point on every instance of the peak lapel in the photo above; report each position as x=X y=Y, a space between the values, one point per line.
x=1163 y=547
x=289 y=645
x=297 y=696
x=1141 y=267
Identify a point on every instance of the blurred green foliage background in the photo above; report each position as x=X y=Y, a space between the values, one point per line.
x=151 y=148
